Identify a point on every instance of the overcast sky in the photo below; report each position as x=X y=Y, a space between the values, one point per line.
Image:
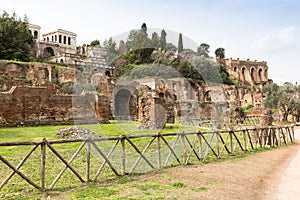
x=263 y=30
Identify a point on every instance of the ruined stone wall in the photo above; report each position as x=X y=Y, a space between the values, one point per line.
x=40 y=105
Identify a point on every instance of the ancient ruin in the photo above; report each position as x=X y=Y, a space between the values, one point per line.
x=81 y=90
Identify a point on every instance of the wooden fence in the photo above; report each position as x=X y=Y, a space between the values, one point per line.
x=168 y=149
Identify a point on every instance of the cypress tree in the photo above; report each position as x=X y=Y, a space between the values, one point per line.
x=180 y=44
x=163 y=41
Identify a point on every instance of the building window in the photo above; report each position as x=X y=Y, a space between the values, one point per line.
x=65 y=40
x=47 y=39
x=59 y=38
x=52 y=39
x=35 y=35
x=55 y=37
x=69 y=40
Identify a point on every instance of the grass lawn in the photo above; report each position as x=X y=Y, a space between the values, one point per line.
x=108 y=185
x=17 y=188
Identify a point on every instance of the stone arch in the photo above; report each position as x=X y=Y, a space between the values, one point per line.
x=35 y=35
x=243 y=73
x=253 y=74
x=122 y=104
x=107 y=73
x=49 y=51
x=207 y=95
x=260 y=74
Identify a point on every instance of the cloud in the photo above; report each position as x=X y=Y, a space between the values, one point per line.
x=283 y=41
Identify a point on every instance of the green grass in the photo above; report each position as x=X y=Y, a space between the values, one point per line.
x=108 y=186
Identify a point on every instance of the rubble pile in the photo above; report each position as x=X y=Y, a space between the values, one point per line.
x=76 y=132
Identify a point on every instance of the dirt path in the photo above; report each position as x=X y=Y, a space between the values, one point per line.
x=290 y=181
x=255 y=177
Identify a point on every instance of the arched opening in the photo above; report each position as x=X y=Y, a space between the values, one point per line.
x=61 y=61
x=122 y=104
x=107 y=73
x=35 y=35
x=49 y=51
x=235 y=69
x=59 y=38
x=260 y=74
x=161 y=95
x=252 y=74
x=69 y=40
x=207 y=96
x=30 y=32
x=174 y=97
x=65 y=39
x=243 y=74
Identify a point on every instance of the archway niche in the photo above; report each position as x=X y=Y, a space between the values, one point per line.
x=260 y=74
x=122 y=104
x=49 y=51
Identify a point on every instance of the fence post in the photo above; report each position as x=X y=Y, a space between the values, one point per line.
x=123 y=167
x=245 y=140
x=158 y=150
x=217 y=144
x=43 y=163
x=88 y=160
x=231 y=142
x=183 y=147
x=200 y=145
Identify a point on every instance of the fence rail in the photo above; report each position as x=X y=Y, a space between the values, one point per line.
x=169 y=148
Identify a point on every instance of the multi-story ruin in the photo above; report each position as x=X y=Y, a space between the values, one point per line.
x=32 y=93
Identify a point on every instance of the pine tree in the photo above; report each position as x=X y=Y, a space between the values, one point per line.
x=180 y=44
x=15 y=40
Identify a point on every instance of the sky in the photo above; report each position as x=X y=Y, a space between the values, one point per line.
x=262 y=30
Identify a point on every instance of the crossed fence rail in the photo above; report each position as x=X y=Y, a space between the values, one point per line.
x=166 y=149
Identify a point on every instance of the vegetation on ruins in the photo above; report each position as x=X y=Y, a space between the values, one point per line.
x=16 y=43
x=158 y=54
x=286 y=98
x=220 y=53
x=203 y=50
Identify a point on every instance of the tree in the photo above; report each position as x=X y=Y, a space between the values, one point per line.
x=155 y=40
x=163 y=41
x=289 y=100
x=203 y=50
x=111 y=49
x=286 y=98
x=144 y=28
x=220 y=53
x=122 y=47
x=171 y=47
x=180 y=44
x=95 y=43
x=15 y=40
x=132 y=34
x=141 y=41
x=271 y=91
